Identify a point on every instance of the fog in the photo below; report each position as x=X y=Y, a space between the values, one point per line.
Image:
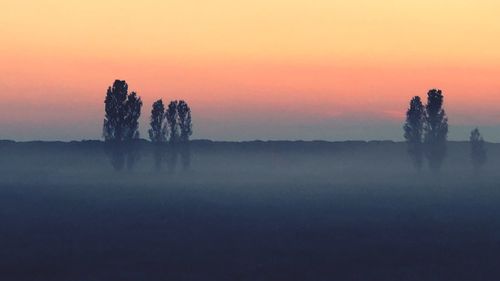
x=247 y=211
x=352 y=162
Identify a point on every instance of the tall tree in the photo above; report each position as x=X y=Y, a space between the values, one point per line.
x=172 y=121
x=185 y=125
x=436 y=129
x=132 y=113
x=121 y=124
x=477 y=150
x=173 y=128
x=414 y=129
x=186 y=130
x=116 y=97
x=122 y=112
x=158 y=131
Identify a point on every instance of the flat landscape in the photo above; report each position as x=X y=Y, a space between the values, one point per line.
x=247 y=211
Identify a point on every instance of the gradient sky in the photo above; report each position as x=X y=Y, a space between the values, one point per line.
x=260 y=69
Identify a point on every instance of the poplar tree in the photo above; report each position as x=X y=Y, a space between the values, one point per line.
x=414 y=129
x=435 y=129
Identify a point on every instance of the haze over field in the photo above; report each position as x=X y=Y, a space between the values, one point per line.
x=248 y=211
x=331 y=70
x=250 y=140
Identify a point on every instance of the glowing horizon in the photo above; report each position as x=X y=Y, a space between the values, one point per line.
x=254 y=70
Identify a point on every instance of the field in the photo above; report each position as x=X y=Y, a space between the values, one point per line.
x=248 y=211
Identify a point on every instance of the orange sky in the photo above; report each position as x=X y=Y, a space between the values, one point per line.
x=250 y=69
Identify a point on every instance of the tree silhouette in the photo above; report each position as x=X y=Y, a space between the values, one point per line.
x=477 y=150
x=172 y=122
x=436 y=129
x=173 y=128
x=413 y=130
x=121 y=124
x=185 y=125
x=186 y=130
x=158 y=131
x=116 y=97
x=132 y=113
x=122 y=112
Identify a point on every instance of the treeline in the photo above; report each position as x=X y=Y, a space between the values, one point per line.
x=170 y=129
x=426 y=132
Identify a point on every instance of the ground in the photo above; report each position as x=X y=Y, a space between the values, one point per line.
x=68 y=222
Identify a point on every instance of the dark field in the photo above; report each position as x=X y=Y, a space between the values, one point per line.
x=248 y=211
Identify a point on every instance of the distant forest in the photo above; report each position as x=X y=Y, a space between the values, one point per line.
x=170 y=128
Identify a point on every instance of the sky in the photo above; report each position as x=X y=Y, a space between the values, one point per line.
x=260 y=69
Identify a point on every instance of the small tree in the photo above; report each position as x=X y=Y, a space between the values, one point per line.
x=413 y=130
x=185 y=125
x=436 y=129
x=172 y=122
x=158 y=131
x=477 y=150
